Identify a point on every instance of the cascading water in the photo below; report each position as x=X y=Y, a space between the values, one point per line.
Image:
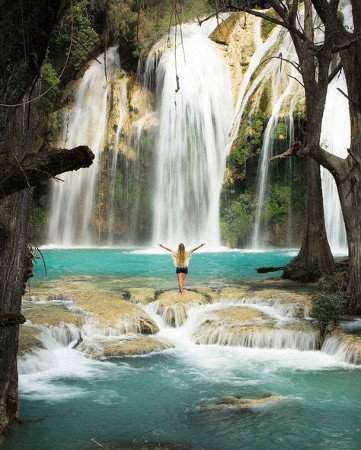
x=335 y=138
x=194 y=103
x=72 y=202
x=114 y=160
x=285 y=93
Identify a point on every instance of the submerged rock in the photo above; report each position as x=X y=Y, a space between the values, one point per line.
x=135 y=345
x=173 y=306
x=246 y=401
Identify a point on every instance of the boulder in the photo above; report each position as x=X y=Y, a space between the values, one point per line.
x=114 y=312
x=246 y=401
x=135 y=345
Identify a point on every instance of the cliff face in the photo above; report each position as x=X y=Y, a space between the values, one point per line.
x=239 y=37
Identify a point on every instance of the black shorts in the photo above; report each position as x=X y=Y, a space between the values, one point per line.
x=181 y=269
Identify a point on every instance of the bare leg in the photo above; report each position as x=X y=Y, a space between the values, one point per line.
x=179 y=276
x=183 y=280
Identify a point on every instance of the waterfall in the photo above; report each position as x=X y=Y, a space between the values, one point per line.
x=72 y=202
x=285 y=94
x=114 y=159
x=335 y=138
x=194 y=104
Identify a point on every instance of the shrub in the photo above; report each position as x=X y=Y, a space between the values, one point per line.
x=326 y=309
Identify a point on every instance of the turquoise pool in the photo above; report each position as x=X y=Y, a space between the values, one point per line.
x=161 y=397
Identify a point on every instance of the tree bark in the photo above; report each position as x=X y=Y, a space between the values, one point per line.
x=315 y=257
x=35 y=168
x=349 y=186
x=15 y=266
x=26 y=27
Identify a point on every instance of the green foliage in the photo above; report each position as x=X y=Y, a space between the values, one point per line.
x=237 y=221
x=266 y=25
x=326 y=309
x=249 y=141
x=266 y=28
x=335 y=282
x=281 y=131
x=50 y=79
x=142 y=23
x=78 y=24
x=276 y=205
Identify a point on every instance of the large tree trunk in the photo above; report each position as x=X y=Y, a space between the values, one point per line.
x=350 y=186
x=14 y=269
x=315 y=257
x=22 y=51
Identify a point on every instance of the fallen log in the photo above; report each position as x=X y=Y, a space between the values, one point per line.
x=269 y=269
x=16 y=175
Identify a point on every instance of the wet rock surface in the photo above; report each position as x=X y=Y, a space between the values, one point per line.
x=133 y=345
x=246 y=401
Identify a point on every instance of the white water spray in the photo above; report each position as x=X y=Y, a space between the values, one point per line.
x=195 y=110
x=72 y=202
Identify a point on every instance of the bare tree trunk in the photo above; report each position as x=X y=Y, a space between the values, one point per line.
x=350 y=186
x=14 y=270
x=315 y=255
x=22 y=51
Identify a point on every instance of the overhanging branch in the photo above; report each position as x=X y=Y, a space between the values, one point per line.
x=35 y=168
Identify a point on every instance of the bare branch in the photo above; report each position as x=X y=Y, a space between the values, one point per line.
x=41 y=167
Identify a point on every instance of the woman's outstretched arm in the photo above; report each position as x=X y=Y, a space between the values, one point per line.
x=166 y=248
x=196 y=248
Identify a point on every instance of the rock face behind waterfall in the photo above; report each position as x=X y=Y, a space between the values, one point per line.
x=119 y=192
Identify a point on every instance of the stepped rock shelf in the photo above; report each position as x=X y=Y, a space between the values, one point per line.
x=272 y=314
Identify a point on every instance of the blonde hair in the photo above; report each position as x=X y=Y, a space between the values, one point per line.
x=181 y=255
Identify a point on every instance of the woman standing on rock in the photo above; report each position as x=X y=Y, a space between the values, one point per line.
x=181 y=260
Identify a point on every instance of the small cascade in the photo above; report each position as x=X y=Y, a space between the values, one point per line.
x=256 y=338
x=341 y=350
x=114 y=160
x=72 y=202
x=194 y=105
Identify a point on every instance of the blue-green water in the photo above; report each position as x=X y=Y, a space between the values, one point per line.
x=141 y=267
x=158 y=398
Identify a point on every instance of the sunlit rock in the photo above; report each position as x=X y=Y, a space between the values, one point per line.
x=112 y=311
x=247 y=327
x=132 y=345
x=172 y=306
x=139 y=295
x=48 y=314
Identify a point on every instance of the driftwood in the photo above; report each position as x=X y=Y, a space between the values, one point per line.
x=269 y=269
x=16 y=175
x=289 y=152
